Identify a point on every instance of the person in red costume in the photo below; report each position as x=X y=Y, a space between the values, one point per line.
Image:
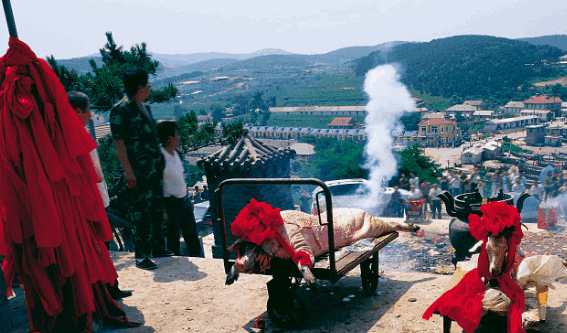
x=82 y=106
x=55 y=224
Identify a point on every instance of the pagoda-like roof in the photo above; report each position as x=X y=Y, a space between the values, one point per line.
x=248 y=153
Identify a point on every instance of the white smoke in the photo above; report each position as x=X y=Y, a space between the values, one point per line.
x=388 y=99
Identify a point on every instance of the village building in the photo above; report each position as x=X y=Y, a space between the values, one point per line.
x=321 y=110
x=204 y=119
x=478 y=152
x=462 y=108
x=342 y=123
x=553 y=141
x=479 y=117
x=439 y=131
x=287 y=133
x=535 y=134
x=557 y=130
x=408 y=138
x=478 y=104
x=513 y=107
x=421 y=110
x=544 y=115
x=472 y=155
x=431 y=115
x=543 y=102
x=508 y=125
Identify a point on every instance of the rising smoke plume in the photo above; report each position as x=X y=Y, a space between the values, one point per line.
x=388 y=99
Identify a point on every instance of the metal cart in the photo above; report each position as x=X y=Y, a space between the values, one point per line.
x=284 y=307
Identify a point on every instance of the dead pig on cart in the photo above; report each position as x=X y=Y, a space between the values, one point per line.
x=266 y=233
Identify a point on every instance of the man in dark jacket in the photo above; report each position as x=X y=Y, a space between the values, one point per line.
x=138 y=150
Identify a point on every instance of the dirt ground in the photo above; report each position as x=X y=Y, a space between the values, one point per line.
x=189 y=295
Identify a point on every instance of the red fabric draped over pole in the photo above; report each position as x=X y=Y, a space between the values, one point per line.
x=55 y=224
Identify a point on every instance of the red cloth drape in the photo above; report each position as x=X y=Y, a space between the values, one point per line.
x=463 y=302
x=55 y=224
x=259 y=221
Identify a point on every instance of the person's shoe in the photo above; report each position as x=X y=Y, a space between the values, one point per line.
x=162 y=253
x=120 y=294
x=146 y=264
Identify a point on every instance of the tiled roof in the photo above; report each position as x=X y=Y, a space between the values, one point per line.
x=437 y=121
x=514 y=104
x=248 y=153
x=462 y=108
x=543 y=99
x=341 y=121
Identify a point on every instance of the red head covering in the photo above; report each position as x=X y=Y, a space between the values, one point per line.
x=463 y=303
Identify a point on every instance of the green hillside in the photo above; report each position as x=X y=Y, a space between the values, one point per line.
x=469 y=66
x=269 y=63
x=559 y=41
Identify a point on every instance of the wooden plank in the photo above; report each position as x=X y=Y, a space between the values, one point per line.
x=353 y=259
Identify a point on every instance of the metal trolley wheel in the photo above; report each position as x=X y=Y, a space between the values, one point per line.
x=289 y=315
x=369 y=274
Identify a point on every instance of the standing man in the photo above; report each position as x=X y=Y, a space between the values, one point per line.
x=397 y=202
x=403 y=181
x=455 y=184
x=137 y=146
x=474 y=178
x=177 y=203
x=414 y=180
x=435 y=201
x=197 y=196
x=425 y=188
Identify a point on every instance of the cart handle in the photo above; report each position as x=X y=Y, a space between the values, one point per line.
x=275 y=181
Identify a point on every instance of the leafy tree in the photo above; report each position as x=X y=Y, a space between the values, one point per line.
x=413 y=160
x=410 y=121
x=462 y=67
x=104 y=84
x=231 y=133
x=217 y=112
x=334 y=159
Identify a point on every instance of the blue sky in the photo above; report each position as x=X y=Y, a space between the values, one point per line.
x=73 y=28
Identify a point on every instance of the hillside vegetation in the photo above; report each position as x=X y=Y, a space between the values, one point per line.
x=559 y=41
x=485 y=67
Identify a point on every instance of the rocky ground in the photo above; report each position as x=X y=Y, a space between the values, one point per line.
x=189 y=295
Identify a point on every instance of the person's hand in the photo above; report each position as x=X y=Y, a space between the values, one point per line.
x=131 y=180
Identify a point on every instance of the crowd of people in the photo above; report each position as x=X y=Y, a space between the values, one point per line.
x=489 y=184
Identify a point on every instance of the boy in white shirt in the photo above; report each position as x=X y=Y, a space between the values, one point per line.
x=177 y=202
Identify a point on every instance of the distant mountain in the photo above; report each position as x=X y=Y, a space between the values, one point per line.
x=269 y=63
x=468 y=66
x=204 y=66
x=271 y=52
x=81 y=65
x=177 y=60
x=559 y=41
x=175 y=64
x=347 y=54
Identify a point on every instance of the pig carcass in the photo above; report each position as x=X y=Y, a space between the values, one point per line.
x=304 y=233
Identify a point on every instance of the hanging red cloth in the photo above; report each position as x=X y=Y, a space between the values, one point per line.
x=55 y=224
x=463 y=303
